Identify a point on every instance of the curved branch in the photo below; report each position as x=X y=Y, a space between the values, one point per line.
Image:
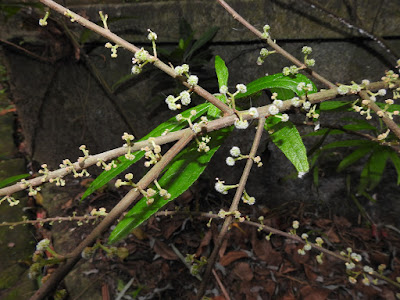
x=274 y=45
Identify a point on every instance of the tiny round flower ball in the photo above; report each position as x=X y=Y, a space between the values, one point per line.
x=179 y=117
x=285 y=118
x=264 y=52
x=278 y=103
x=179 y=70
x=273 y=110
x=241 y=88
x=235 y=151
x=129 y=176
x=365 y=82
x=193 y=80
x=382 y=92
x=295 y=224
x=304 y=236
x=266 y=27
x=230 y=161
x=185 y=97
x=307 y=247
x=253 y=112
x=223 y=89
x=307 y=105
x=185 y=68
x=301 y=86
x=251 y=201
x=136 y=70
x=42 y=245
x=220 y=187
x=306 y=50
x=296 y=101
x=241 y=124
x=170 y=99
x=343 y=89
x=152 y=36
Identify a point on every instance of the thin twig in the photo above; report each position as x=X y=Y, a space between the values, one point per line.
x=274 y=45
x=275 y=231
x=114 y=214
x=234 y=207
x=351 y=25
x=221 y=286
x=132 y=48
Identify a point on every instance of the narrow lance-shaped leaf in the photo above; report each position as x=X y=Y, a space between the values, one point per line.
x=172 y=125
x=353 y=157
x=181 y=173
x=12 y=179
x=371 y=175
x=287 y=138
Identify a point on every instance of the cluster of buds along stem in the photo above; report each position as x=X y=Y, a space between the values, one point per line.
x=69 y=167
x=309 y=62
x=264 y=53
x=11 y=200
x=32 y=191
x=230 y=97
x=141 y=58
x=236 y=214
x=128 y=138
x=153 y=155
x=236 y=155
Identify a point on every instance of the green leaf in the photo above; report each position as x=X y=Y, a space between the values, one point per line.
x=348 y=143
x=214 y=112
x=204 y=39
x=283 y=94
x=372 y=172
x=391 y=108
x=287 y=138
x=323 y=131
x=396 y=162
x=12 y=179
x=363 y=125
x=222 y=71
x=353 y=157
x=334 y=105
x=172 y=125
x=277 y=81
x=180 y=174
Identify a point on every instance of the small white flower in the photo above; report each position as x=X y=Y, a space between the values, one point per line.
x=141 y=55
x=382 y=92
x=241 y=124
x=306 y=50
x=185 y=68
x=185 y=98
x=221 y=213
x=301 y=86
x=278 y=103
x=365 y=82
x=230 y=161
x=307 y=105
x=235 y=151
x=193 y=80
x=273 y=110
x=179 y=117
x=152 y=36
x=368 y=269
x=295 y=224
x=285 y=118
x=196 y=127
x=253 y=112
x=136 y=69
x=241 y=88
x=178 y=70
x=304 y=236
x=170 y=99
x=343 y=89
x=266 y=28
x=307 y=247
x=42 y=245
x=317 y=126
x=350 y=266
x=220 y=187
x=223 y=89
x=296 y=101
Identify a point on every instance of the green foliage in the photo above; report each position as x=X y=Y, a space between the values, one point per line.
x=172 y=125
x=180 y=174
